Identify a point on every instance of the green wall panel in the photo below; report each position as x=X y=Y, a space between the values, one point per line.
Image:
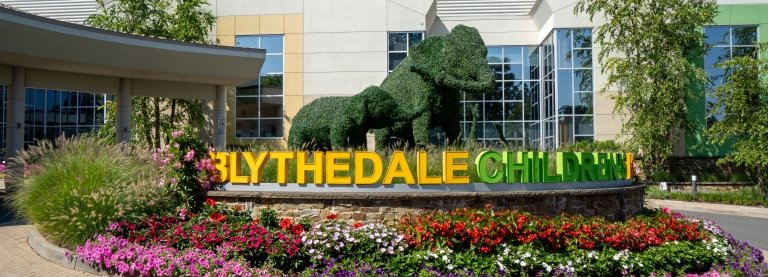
x=744 y=14
x=735 y=14
x=724 y=17
x=763 y=13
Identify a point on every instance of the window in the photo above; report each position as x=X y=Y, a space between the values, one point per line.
x=574 y=86
x=543 y=97
x=399 y=44
x=50 y=113
x=507 y=111
x=726 y=42
x=259 y=103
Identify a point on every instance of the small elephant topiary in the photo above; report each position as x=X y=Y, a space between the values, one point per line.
x=433 y=77
x=340 y=122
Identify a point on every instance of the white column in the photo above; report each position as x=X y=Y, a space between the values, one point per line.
x=123 y=113
x=14 y=124
x=220 y=117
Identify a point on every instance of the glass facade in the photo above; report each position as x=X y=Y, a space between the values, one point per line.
x=544 y=94
x=575 y=120
x=49 y=113
x=259 y=103
x=725 y=42
x=507 y=111
x=398 y=45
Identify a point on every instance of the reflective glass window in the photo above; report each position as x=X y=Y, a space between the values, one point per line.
x=259 y=103
x=399 y=43
x=725 y=42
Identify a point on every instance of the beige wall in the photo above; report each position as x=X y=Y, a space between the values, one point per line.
x=292 y=27
x=339 y=47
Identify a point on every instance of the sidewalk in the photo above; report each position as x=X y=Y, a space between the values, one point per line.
x=18 y=259
x=709 y=208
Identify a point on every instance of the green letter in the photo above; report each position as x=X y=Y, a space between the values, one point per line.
x=588 y=168
x=568 y=166
x=481 y=167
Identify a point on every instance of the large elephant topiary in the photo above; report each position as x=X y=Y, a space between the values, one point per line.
x=433 y=77
x=339 y=122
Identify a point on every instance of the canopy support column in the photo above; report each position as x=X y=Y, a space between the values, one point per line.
x=123 y=113
x=14 y=127
x=220 y=115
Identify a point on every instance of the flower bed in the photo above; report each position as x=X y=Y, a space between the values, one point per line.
x=223 y=241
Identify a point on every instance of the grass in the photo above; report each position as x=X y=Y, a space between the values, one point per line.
x=74 y=188
x=746 y=197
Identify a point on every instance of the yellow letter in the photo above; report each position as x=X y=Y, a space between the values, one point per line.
x=302 y=166
x=424 y=178
x=629 y=158
x=450 y=166
x=332 y=167
x=282 y=158
x=221 y=161
x=360 y=177
x=235 y=169
x=398 y=167
x=256 y=165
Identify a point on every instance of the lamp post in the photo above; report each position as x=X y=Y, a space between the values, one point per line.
x=693 y=185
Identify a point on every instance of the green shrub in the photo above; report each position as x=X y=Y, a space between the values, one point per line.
x=606 y=146
x=746 y=196
x=74 y=188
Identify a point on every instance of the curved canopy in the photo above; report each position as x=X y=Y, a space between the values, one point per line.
x=36 y=42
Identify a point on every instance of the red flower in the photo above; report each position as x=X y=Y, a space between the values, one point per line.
x=217 y=217
x=297 y=229
x=286 y=223
x=210 y=201
x=331 y=216
x=357 y=225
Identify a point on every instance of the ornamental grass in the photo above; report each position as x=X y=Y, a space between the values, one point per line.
x=74 y=187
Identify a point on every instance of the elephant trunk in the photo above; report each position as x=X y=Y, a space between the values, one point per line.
x=409 y=115
x=484 y=82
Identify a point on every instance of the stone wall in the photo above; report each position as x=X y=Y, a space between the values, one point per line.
x=612 y=203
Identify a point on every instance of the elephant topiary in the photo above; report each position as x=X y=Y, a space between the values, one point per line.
x=339 y=122
x=423 y=92
x=432 y=78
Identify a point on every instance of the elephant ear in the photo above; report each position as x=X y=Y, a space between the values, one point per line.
x=464 y=62
x=426 y=57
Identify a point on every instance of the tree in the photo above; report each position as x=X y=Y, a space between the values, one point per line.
x=649 y=52
x=743 y=101
x=184 y=20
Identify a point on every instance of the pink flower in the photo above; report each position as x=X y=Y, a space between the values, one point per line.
x=177 y=134
x=190 y=155
x=174 y=181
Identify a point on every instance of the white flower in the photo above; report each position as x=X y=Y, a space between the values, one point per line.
x=450 y=267
x=445 y=258
x=523 y=263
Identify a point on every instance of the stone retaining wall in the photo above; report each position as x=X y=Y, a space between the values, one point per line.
x=612 y=203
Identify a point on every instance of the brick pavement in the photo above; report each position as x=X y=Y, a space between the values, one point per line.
x=17 y=258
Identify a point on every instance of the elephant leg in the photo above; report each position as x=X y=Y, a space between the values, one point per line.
x=421 y=129
x=341 y=133
x=382 y=137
